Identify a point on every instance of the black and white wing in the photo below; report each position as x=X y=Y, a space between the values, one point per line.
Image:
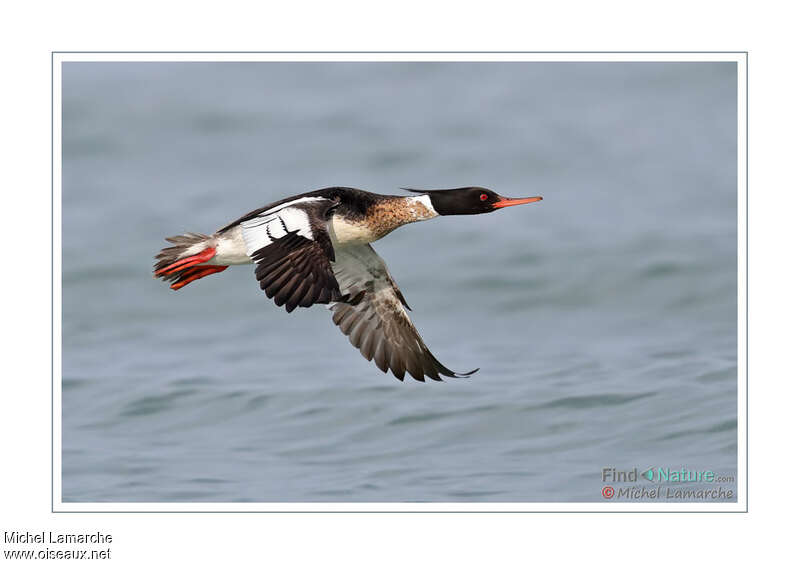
x=371 y=312
x=293 y=252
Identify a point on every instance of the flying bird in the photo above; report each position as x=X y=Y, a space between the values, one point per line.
x=314 y=248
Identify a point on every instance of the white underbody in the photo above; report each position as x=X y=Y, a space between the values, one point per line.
x=344 y=233
x=231 y=249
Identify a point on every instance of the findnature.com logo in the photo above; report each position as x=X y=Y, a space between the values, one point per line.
x=671 y=478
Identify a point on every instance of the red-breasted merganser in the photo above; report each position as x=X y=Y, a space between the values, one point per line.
x=314 y=248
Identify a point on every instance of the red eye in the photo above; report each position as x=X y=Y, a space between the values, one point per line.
x=484 y=196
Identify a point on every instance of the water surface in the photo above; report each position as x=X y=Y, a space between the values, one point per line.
x=603 y=318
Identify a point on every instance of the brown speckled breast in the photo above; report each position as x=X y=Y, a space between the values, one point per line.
x=382 y=218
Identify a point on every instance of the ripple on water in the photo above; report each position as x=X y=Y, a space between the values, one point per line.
x=257 y=401
x=716 y=376
x=727 y=425
x=592 y=401
x=208 y=481
x=73 y=383
x=433 y=416
x=154 y=404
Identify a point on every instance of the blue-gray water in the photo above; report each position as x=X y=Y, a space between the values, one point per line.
x=603 y=318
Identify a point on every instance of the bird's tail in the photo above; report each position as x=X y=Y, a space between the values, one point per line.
x=187 y=260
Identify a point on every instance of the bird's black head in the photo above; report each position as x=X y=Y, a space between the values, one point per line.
x=470 y=200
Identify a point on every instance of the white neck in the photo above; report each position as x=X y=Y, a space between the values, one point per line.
x=426 y=211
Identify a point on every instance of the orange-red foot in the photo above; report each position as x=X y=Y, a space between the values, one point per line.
x=194 y=273
x=182 y=264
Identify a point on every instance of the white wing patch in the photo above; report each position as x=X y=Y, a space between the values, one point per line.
x=275 y=223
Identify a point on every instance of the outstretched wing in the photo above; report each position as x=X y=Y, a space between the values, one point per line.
x=293 y=252
x=371 y=313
